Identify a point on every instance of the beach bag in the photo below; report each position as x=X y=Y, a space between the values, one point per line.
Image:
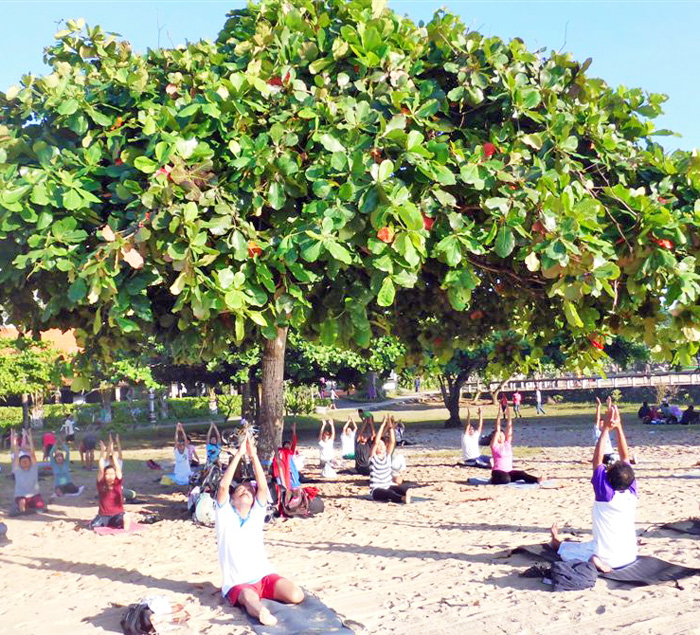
x=204 y=510
x=137 y=620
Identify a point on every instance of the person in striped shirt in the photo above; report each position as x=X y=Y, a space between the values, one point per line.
x=381 y=485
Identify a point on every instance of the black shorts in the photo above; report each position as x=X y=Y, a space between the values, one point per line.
x=89 y=443
x=70 y=437
x=116 y=521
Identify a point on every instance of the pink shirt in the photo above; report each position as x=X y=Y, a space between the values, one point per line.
x=517 y=398
x=502 y=456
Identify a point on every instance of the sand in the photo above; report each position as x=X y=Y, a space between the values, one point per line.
x=437 y=566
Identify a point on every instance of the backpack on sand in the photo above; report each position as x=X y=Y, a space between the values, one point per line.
x=204 y=510
x=137 y=620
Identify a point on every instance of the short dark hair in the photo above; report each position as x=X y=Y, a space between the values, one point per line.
x=620 y=476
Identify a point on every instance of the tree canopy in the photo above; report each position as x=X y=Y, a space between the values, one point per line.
x=333 y=166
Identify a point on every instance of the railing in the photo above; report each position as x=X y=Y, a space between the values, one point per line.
x=629 y=380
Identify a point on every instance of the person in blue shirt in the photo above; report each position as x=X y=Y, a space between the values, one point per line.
x=213 y=444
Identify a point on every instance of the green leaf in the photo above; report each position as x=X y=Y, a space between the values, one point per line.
x=428 y=109
x=532 y=262
x=225 y=277
x=410 y=216
x=505 y=241
x=187 y=111
x=77 y=291
x=145 y=165
x=570 y=144
x=386 y=293
x=276 y=195
x=527 y=98
x=572 y=316
x=398 y=122
x=72 y=200
x=339 y=252
x=331 y=144
x=67 y=107
x=329 y=331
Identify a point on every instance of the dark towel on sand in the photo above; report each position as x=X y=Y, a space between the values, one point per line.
x=691 y=526
x=643 y=571
x=311 y=616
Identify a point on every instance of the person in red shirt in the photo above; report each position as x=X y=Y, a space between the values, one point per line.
x=49 y=440
x=109 y=489
x=504 y=403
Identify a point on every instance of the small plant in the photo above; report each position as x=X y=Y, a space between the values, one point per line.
x=616 y=395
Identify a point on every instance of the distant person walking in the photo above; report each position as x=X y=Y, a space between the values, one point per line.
x=538 y=402
x=517 y=400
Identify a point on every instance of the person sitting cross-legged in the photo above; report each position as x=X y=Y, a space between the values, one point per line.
x=60 y=466
x=471 y=453
x=381 y=483
x=109 y=489
x=502 y=453
x=614 y=541
x=26 y=473
x=248 y=576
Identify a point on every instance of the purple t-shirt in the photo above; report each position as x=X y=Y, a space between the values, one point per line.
x=601 y=485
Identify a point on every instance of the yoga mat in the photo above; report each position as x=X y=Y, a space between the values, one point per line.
x=310 y=617
x=475 y=480
x=645 y=570
x=106 y=531
x=691 y=526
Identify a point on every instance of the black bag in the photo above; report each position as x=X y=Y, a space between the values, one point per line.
x=137 y=620
x=575 y=575
x=297 y=502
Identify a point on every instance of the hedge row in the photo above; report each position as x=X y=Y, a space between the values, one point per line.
x=123 y=412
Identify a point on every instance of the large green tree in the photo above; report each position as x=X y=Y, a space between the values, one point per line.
x=332 y=166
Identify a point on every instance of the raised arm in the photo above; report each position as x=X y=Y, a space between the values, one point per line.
x=497 y=428
x=260 y=477
x=102 y=461
x=392 y=440
x=608 y=424
x=217 y=433
x=509 y=426
x=622 y=447
x=481 y=422
x=468 y=424
x=14 y=446
x=321 y=429
x=598 y=420
x=378 y=436
x=32 y=453
x=293 y=444
x=331 y=425
x=222 y=494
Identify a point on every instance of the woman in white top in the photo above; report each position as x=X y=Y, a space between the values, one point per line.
x=381 y=485
x=347 y=439
x=182 y=471
x=326 y=439
x=471 y=453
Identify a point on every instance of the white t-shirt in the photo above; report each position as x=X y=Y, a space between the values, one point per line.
x=326 y=448
x=241 y=550
x=182 y=469
x=613 y=529
x=470 y=446
x=68 y=427
x=347 y=443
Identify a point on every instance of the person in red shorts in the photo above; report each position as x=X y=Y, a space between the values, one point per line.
x=248 y=576
x=109 y=489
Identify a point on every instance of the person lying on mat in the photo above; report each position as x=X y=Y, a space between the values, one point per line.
x=471 y=453
x=381 y=484
x=248 y=576
x=60 y=466
x=614 y=541
x=502 y=453
x=109 y=489
x=26 y=473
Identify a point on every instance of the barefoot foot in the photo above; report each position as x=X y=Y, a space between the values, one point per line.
x=267 y=618
x=603 y=568
x=555 y=542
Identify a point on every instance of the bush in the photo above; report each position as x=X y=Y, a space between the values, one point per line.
x=124 y=413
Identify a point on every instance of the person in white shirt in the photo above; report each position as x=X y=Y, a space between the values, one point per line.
x=326 y=439
x=347 y=439
x=68 y=428
x=248 y=576
x=471 y=453
x=182 y=470
x=538 y=402
x=614 y=541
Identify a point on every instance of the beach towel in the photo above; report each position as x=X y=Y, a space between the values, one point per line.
x=133 y=529
x=691 y=526
x=645 y=570
x=310 y=617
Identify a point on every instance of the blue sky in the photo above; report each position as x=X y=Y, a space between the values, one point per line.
x=652 y=45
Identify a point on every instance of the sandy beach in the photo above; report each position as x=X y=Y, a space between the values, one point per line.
x=439 y=565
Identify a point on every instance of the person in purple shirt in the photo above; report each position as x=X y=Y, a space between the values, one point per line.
x=614 y=541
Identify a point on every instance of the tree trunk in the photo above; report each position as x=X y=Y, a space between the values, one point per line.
x=451 y=394
x=25 y=410
x=496 y=393
x=246 y=403
x=37 y=411
x=271 y=413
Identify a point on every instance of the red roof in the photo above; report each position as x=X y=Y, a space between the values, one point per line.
x=64 y=342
